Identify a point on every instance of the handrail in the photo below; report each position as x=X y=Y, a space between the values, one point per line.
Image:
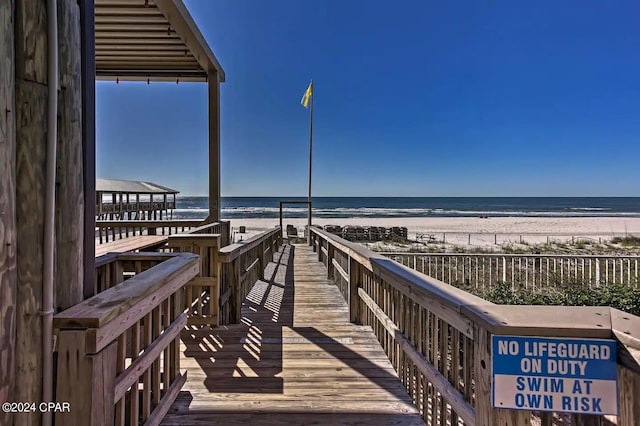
x=223 y=228
x=242 y=265
x=442 y=322
x=119 y=351
x=381 y=265
x=510 y=255
x=129 y=301
x=110 y=230
x=149 y=223
x=232 y=251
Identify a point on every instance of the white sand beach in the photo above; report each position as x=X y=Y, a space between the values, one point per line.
x=483 y=232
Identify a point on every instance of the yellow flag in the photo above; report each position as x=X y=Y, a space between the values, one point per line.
x=307 y=96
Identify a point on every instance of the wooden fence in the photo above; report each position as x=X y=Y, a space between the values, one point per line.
x=438 y=337
x=111 y=230
x=119 y=351
x=529 y=271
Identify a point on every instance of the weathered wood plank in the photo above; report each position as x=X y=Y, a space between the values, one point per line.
x=79 y=369
x=31 y=124
x=628 y=391
x=8 y=277
x=31 y=42
x=148 y=357
x=69 y=221
x=139 y=242
x=276 y=418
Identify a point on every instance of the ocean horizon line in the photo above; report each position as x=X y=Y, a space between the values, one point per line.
x=284 y=197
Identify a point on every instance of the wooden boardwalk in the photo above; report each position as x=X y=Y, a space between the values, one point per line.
x=295 y=360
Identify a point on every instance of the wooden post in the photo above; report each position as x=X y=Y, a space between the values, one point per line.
x=261 y=262
x=232 y=273
x=88 y=381
x=330 y=268
x=214 y=147
x=69 y=175
x=504 y=269
x=486 y=415
x=628 y=391
x=281 y=228
x=31 y=126
x=8 y=278
x=354 y=282
x=88 y=70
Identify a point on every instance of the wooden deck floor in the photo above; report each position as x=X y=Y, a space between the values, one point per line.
x=296 y=360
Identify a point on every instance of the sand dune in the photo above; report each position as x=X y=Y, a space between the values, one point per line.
x=456 y=229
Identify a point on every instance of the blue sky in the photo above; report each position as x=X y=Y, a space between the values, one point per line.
x=412 y=98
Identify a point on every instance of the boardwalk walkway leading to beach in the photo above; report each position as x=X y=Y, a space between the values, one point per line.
x=295 y=359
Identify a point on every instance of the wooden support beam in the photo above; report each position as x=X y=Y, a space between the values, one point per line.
x=486 y=415
x=88 y=68
x=214 y=148
x=69 y=221
x=8 y=285
x=31 y=127
x=355 y=281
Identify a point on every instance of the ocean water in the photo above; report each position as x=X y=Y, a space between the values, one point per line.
x=342 y=207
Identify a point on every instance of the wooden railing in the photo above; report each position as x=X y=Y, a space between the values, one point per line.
x=111 y=230
x=202 y=293
x=113 y=268
x=438 y=337
x=119 y=351
x=523 y=270
x=242 y=265
x=108 y=207
x=222 y=228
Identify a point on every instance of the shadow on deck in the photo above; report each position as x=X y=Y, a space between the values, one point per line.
x=294 y=359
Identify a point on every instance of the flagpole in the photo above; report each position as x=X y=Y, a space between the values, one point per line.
x=310 y=162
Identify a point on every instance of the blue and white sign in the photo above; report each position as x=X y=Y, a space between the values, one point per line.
x=555 y=374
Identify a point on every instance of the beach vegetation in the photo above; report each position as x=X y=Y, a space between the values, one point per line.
x=623 y=297
x=629 y=240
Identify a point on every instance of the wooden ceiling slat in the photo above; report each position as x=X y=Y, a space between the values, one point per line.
x=157 y=65
x=144 y=60
x=148 y=52
x=134 y=34
x=120 y=19
x=134 y=42
x=125 y=47
x=140 y=43
x=135 y=27
x=128 y=10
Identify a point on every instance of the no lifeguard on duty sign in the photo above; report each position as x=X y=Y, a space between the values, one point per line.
x=555 y=374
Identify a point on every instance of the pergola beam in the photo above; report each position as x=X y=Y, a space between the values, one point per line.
x=214 y=148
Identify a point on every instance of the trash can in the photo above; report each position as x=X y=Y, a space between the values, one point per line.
x=243 y=229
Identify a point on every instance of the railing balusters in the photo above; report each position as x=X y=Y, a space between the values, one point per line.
x=442 y=356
